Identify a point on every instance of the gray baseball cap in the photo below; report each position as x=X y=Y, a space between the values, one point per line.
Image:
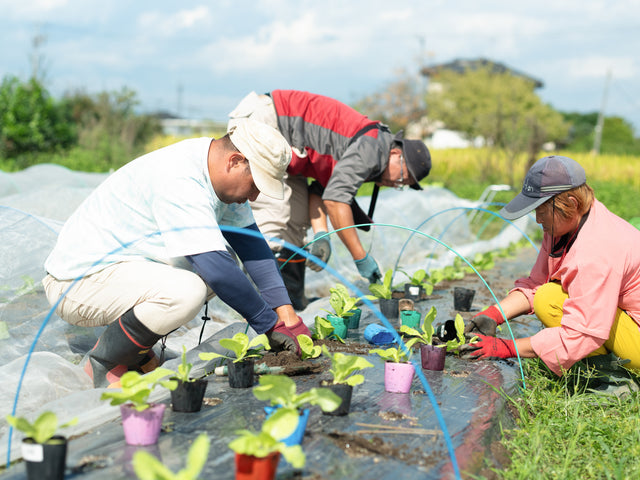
x=545 y=179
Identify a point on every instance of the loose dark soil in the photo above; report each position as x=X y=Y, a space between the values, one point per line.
x=372 y=445
x=293 y=365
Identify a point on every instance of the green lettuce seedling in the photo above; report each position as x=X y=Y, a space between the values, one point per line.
x=279 y=425
x=307 y=348
x=42 y=429
x=343 y=367
x=241 y=346
x=148 y=467
x=420 y=278
x=280 y=390
x=341 y=301
x=383 y=290
x=425 y=334
x=392 y=354
x=323 y=330
x=184 y=368
x=136 y=388
x=456 y=343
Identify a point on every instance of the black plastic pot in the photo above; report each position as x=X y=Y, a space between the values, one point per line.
x=414 y=292
x=240 y=373
x=463 y=298
x=45 y=461
x=187 y=397
x=446 y=331
x=389 y=308
x=344 y=391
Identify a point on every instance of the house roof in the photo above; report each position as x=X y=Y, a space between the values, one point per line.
x=462 y=65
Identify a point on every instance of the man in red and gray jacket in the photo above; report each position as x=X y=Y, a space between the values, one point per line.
x=339 y=149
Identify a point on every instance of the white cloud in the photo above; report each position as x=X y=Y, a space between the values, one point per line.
x=597 y=66
x=161 y=23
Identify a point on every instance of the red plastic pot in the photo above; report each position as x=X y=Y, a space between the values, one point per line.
x=253 y=468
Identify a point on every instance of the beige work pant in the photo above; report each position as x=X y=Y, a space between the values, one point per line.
x=163 y=297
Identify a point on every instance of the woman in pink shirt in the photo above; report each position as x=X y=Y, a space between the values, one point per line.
x=585 y=284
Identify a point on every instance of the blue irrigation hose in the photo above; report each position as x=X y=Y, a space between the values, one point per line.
x=390 y=327
x=395 y=268
x=414 y=231
x=298 y=250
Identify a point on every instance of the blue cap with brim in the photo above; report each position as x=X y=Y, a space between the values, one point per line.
x=545 y=179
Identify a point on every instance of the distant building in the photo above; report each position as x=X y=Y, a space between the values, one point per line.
x=188 y=127
x=462 y=65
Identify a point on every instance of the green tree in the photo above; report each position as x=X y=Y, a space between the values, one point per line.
x=109 y=128
x=500 y=107
x=617 y=134
x=31 y=121
x=397 y=105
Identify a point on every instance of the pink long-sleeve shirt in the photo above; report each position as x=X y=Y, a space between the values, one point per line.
x=600 y=272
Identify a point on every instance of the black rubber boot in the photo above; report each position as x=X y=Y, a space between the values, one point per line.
x=125 y=344
x=293 y=275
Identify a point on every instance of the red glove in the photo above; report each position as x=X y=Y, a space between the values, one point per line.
x=492 y=347
x=494 y=313
x=485 y=322
x=299 y=328
x=281 y=338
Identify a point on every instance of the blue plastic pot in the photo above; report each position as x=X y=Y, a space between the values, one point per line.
x=298 y=434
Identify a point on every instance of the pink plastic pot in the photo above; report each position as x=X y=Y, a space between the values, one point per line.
x=432 y=357
x=398 y=377
x=142 y=428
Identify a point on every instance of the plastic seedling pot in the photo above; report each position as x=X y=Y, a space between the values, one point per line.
x=389 y=308
x=249 y=467
x=187 y=397
x=344 y=391
x=339 y=325
x=241 y=373
x=398 y=377
x=142 y=428
x=463 y=298
x=298 y=434
x=432 y=357
x=410 y=318
x=413 y=292
x=45 y=461
x=353 y=321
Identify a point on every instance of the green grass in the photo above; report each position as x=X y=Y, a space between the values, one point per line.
x=565 y=431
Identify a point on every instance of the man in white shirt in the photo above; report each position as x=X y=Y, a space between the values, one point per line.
x=148 y=247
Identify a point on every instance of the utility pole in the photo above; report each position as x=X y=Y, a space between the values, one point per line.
x=600 y=124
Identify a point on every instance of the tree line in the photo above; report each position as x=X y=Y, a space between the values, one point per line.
x=103 y=131
x=94 y=133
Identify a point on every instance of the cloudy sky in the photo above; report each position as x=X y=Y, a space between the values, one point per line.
x=199 y=58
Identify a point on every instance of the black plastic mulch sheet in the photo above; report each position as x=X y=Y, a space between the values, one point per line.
x=389 y=435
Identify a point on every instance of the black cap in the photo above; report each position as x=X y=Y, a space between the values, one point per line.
x=417 y=156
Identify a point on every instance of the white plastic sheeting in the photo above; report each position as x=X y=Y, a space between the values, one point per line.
x=33 y=206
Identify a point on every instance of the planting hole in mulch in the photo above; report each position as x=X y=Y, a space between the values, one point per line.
x=355 y=445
